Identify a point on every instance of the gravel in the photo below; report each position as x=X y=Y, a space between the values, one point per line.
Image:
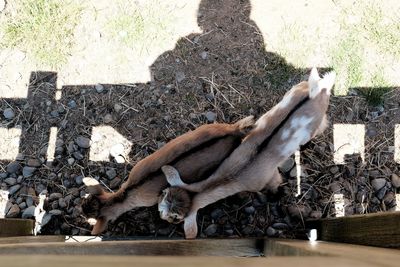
x=13 y=167
x=8 y=112
x=82 y=142
x=378 y=183
x=28 y=171
x=211 y=116
x=99 y=88
x=28 y=212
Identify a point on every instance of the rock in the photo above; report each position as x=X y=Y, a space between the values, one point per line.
x=316 y=214
x=71 y=161
x=299 y=211
x=3 y=175
x=28 y=171
x=55 y=196
x=111 y=173
x=211 y=230
x=361 y=196
x=82 y=141
x=54 y=114
x=14 y=211
x=280 y=226
x=72 y=104
x=378 y=183
x=79 y=179
x=119 y=159
x=381 y=193
x=46 y=219
x=10 y=181
x=217 y=213
x=389 y=199
x=115 y=183
x=28 y=212
x=13 y=167
x=180 y=76
x=335 y=187
x=34 y=163
x=334 y=169
x=375 y=174
x=13 y=189
x=164 y=231
x=211 y=116
x=204 y=55
x=395 y=180
x=29 y=201
x=78 y=155
x=117 y=107
x=62 y=203
x=271 y=232
x=287 y=165
x=55 y=212
x=117 y=149
x=22 y=205
x=249 y=210
x=248 y=230
x=8 y=112
x=108 y=118
x=99 y=88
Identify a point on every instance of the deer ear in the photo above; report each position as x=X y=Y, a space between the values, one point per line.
x=172 y=176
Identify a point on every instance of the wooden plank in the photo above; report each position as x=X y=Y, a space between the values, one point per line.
x=32 y=239
x=364 y=255
x=378 y=229
x=107 y=261
x=16 y=227
x=199 y=247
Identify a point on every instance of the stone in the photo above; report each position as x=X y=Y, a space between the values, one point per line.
x=13 y=167
x=117 y=107
x=280 y=226
x=82 y=141
x=316 y=214
x=378 y=183
x=10 y=181
x=287 y=165
x=115 y=183
x=71 y=161
x=72 y=104
x=29 y=201
x=14 y=211
x=3 y=175
x=217 y=213
x=375 y=174
x=55 y=212
x=381 y=193
x=55 y=196
x=79 y=179
x=335 y=187
x=62 y=203
x=28 y=171
x=54 y=114
x=395 y=180
x=211 y=230
x=13 y=189
x=108 y=118
x=111 y=173
x=204 y=55
x=271 y=232
x=46 y=219
x=22 y=205
x=180 y=76
x=250 y=210
x=78 y=155
x=34 y=163
x=28 y=212
x=389 y=199
x=334 y=169
x=211 y=116
x=299 y=211
x=99 y=88
x=8 y=113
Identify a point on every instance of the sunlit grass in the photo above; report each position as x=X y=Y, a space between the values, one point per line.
x=44 y=29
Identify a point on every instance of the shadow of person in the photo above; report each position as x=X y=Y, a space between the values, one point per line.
x=221 y=74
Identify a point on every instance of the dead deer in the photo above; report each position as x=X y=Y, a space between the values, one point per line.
x=295 y=120
x=195 y=155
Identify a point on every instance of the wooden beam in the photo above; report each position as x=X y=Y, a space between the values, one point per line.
x=198 y=247
x=378 y=229
x=16 y=227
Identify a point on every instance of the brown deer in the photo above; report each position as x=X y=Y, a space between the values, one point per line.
x=195 y=155
x=297 y=118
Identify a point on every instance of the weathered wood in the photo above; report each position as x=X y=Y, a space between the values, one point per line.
x=107 y=261
x=363 y=255
x=200 y=247
x=16 y=227
x=378 y=229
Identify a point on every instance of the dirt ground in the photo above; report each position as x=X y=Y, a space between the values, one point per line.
x=221 y=74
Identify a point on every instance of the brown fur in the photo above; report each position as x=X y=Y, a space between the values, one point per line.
x=253 y=165
x=186 y=153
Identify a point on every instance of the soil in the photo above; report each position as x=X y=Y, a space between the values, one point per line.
x=223 y=71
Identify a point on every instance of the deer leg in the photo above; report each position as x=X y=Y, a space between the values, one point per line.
x=206 y=198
